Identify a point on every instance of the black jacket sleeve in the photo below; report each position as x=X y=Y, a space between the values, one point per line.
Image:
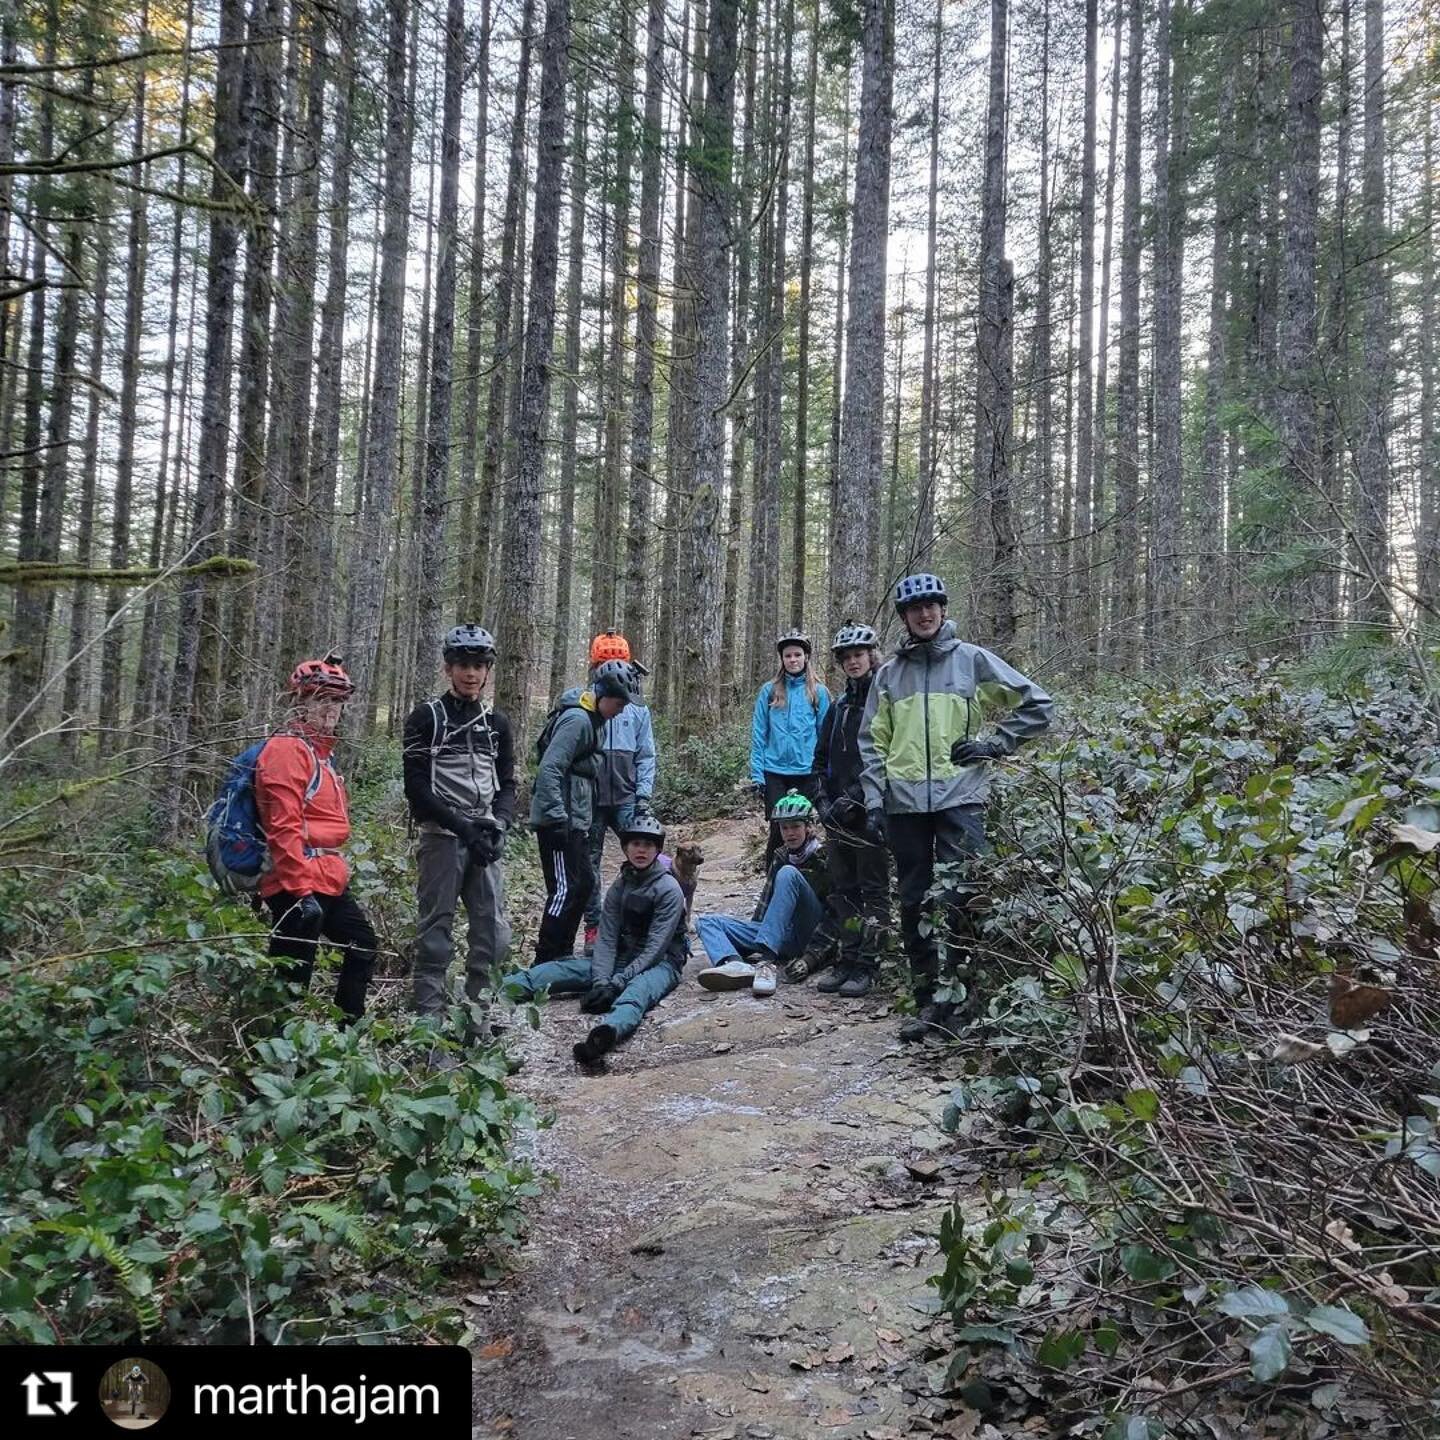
x=424 y=804
x=818 y=765
x=503 y=806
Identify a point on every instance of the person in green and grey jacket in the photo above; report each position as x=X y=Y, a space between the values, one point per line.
x=924 y=772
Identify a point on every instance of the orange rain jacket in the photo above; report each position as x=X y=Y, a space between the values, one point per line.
x=303 y=830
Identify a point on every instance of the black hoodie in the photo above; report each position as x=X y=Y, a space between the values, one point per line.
x=837 y=763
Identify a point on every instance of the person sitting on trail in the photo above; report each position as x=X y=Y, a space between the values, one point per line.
x=459 y=764
x=925 y=776
x=624 y=769
x=783 y=726
x=300 y=798
x=639 y=952
x=859 y=867
x=744 y=954
x=562 y=803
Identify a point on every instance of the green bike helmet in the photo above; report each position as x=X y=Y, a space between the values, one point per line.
x=792 y=805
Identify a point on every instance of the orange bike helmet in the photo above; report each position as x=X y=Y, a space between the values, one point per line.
x=321 y=677
x=612 y=645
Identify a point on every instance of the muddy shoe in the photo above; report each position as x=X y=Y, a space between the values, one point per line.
x=834 y=980
x=764 y=983
x=932 y=1018
x=594 y=1047
x=857 y=983
x=732 y=975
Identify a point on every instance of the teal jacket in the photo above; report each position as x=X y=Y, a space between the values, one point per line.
x=927 y=696
x=564 y=790
x=782 y=738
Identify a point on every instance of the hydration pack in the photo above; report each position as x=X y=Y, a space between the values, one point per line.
x=235 y=846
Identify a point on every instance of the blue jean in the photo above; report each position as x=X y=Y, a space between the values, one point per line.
x=572 y=975
x=785 y=928
x=611 y=817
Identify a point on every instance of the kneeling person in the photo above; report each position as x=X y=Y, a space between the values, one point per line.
x=639 y=952
x=791 y=908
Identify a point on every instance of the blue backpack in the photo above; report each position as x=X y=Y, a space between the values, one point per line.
x=235 y=847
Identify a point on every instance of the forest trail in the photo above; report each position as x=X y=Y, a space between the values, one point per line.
x=734 y=1246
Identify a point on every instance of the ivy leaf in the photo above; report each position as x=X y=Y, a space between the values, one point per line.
x=1144 y=1266
x=1339 y=1324
x=1143 y=1104
x=1270 y=1352
x=1061 y=1348
x=1252 y=1302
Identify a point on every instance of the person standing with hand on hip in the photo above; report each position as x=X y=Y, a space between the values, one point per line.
x=459 y=765
x=783 y=728
x=925 y=777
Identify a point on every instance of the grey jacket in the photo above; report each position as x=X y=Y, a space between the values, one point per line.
x=564 y=791
x=927 y=696
x=641 y=925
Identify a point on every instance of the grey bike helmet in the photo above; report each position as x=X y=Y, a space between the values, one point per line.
x=793 y=637
x=617 y=680
x=919 y=587
x=470 y=641
x=851 y=636
x=644 y=826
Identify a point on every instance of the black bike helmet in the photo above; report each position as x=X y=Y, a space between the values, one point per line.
x=851 y=636
x=793 y=637
x=919 y=587
x=615 y=680
x=469 y=642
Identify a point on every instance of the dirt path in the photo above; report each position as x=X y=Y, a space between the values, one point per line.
x=735 y=1246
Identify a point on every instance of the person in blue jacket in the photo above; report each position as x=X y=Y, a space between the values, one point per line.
x=624 y=771
x=783 y=729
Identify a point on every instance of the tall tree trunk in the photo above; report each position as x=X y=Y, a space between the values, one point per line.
x=430 y=594
x=800 y=536
x=1122 y=642
x=325 y=444
x=368 y=559
x=570 y=413
x=505 y=332
x=775 y=340
x=469 y=582
x=520 y=592
x=857 y=493
x=208 y=508
x=1372 y=499
x=993 y=384
x=1082 y=616
x=702 y=661
x=1041 y=581
x=837 y=366
x=642 y=480
x=923 y=536
x=1428 y=541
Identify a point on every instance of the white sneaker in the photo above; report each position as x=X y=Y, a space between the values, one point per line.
x=764 y=982
x=732 y=975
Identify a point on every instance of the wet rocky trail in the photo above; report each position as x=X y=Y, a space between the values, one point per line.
x=740 y=1225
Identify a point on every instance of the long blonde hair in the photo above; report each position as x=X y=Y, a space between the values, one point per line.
x=779 y=690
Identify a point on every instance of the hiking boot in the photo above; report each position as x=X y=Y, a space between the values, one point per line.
x=931 y=1019
x=594 y=1047
x=592 y=933
x=764 y=983
x=857 y=983
x=834 y=980
x=736 y=974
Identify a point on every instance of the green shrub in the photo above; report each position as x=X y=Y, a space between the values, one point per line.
x=700 y=778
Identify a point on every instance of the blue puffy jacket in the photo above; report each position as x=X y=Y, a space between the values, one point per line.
x=782 y=740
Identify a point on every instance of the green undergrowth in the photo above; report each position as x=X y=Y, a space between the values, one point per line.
x=1211 y=1191
x=189 y=1152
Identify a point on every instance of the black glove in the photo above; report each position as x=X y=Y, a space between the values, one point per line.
x=875 y=825
x=309 y=913
x=488 y=845
x=968 y=752
x=600 y=996
x=846 y=814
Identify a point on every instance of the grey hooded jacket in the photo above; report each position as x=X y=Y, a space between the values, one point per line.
x=642 y=925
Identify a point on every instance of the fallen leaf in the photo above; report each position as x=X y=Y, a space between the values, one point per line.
x=1389 y=1291
x=1340 y=1232
x=574 y=1303
x=631 y=1318
x=724 y=1049
x=1417 y=838
x=890 y=1337
x=1352 y=1004
x=834 y=1417
x=757 y=1382
x=498 y=1349
x=883 y=1432
x=1292 y=1050
x=807 y=1361
x=477 y=1299
x=869 y=1305
x=923 y=1169
x=839 y=1354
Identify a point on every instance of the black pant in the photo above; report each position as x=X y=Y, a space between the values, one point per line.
x=859 y=892
x=777 y=785
x=919 y=843
x=343 y=925
x=569 y=879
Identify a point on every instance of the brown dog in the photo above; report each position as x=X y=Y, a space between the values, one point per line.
x=685 y=865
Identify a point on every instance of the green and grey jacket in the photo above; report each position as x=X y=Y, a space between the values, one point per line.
x=641 y=925
x=928 y=695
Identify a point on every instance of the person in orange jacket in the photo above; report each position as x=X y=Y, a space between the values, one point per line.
x=301 y=801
